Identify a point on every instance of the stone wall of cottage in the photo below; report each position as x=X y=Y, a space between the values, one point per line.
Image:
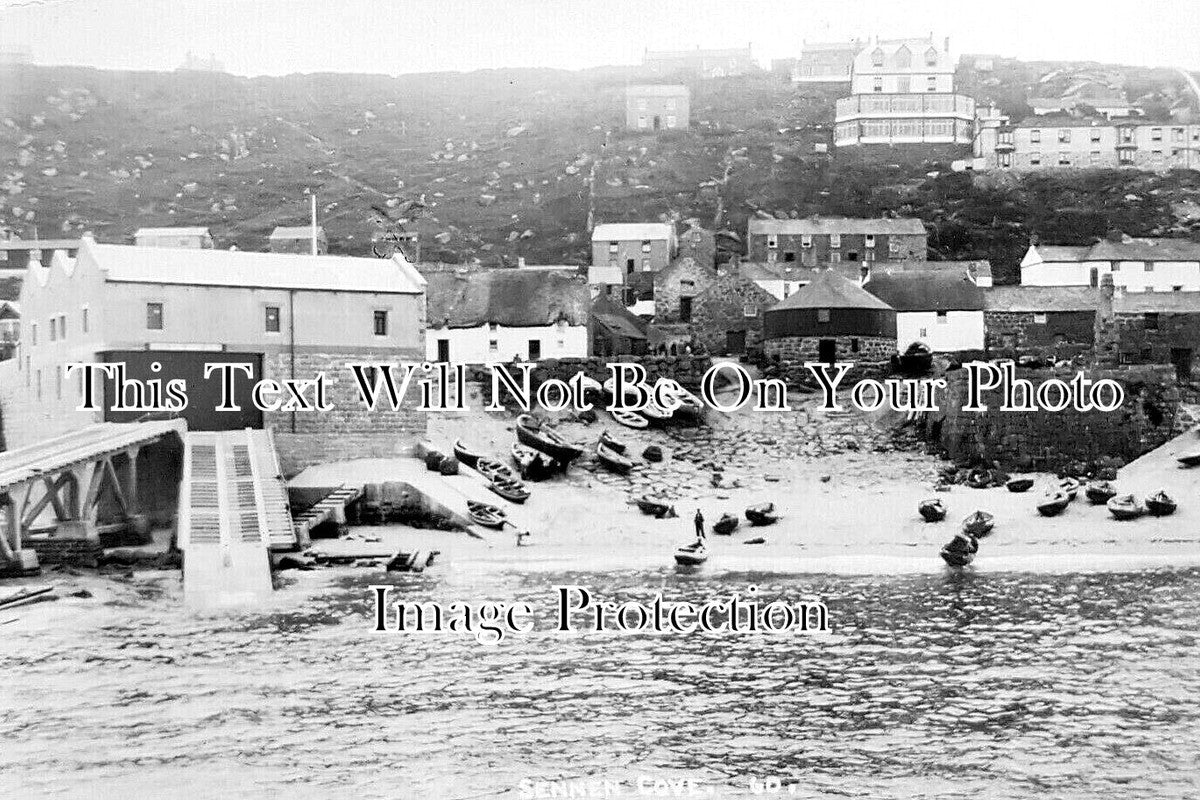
x=1020 y=330
x=1049 y=440
x=870 y=355
x=686 y=277
x=348 y=430
x=686 y=369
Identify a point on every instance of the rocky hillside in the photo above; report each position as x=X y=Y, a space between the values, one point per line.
x=501 y=164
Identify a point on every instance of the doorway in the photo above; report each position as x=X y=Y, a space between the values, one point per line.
x=735 y=342
x=657 y=122
x=535 y=349
x=443 y=351
x=1181 y=357
x=827 y=351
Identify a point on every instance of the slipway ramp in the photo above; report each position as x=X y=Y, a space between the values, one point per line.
x=232 y=508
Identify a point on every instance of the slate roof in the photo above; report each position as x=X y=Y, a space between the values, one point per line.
x=1146 y=250
x=171 y=232
x=296 y=232
x=39 y=244
x=927 y=291
x=1157 y=302
x=10 y=287
x=510 y=297
x=132 y=264
x=840 y=225
x=830 y=290
x=626 y=231
x=1059 y=252
x=1040 y=299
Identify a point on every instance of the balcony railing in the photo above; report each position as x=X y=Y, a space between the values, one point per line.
x=884 y=105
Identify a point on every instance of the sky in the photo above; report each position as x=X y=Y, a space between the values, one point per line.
x=278 y=37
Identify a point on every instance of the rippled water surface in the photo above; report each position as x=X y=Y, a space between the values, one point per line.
x=938 y=686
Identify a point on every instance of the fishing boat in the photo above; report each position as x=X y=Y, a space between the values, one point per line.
x=690 y=406
x=590 y=386
x=1053 y=504
x=762 y=514
x=933 y=509
x=917 y=359
x=612 y=460
x=1070 y=486
x=656 y=508
x=960 y=551
x=726 y=525
x=979 y=524
x=655 y=414
x=488 y=516
x=464 y=455
x=1019 y=485
x=532 y=433
x=532 y=464
x=630 y=419
x=492 y=469
x=511 y=490
x=1160 y=504
x=1099 y=492
x=608 y=441
x=691 y=555
x=1192 y=460
x=1125 y=506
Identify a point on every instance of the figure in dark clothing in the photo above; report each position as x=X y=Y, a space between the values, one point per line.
x=699 y=520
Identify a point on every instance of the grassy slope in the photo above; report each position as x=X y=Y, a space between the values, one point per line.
x=112 y=151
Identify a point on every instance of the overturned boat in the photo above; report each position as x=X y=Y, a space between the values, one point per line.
x=917 y=359
x=960 y=551
x=726 y=525
x=933 y=509
x=660 y=509
x=533 y=464
x=1019 y=485
x=762 y=514
x=612 y=459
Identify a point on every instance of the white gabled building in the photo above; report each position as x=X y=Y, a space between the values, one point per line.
x=1136 y=265
x=942 y=308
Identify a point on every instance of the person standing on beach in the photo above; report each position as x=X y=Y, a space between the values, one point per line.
x=699 y=519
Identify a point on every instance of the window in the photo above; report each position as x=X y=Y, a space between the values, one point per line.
x=58 y=382
x=1035 y=135
x=685 y=309
x=854 y=345
x=1064 y=159
x=806 y=240
x=154 y=316
x=1125 y=157
x=1094 y=157
x=493 y=346
x=671 y=120
x=835 y=258
x=33 y=333
x=381 y=323
x=822 y=315
x=877 y=58
x=1005 y=159
x=83 y=318
x=1126 y=135
x=535 y=349
x=641 y=104
x=942 y=318
x=931 y=84
x=1176 y=288
x=629 y=266
x=835 y=240
x=1156 y=134
x=1148 y=266
x=1176 y=134
x=877 y=85
x=870 y=240
x=789 y=255
x=931 y=57
x=271 y=319
x=645 y=245
x=1064 y=135
x=53 y=329
x=1149 y=289
x=1039 y=319
x=642 y=121
x=39 y=384
x=645 y=265
x=852 y=255
x=893 y=246
x=750 y=310
x=613 y=247
x=772 y=241
x=923 y=333
x=1035 y=159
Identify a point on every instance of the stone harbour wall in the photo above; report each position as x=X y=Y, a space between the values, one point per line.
x=1049 y=440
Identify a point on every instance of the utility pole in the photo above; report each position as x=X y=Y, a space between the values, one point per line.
x=313 y=232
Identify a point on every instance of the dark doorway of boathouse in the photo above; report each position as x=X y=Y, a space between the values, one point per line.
x=443 y=351
x=735 y=342
x=827 y=351
x=657 y=122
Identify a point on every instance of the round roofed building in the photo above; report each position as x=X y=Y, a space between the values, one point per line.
x=831 y=319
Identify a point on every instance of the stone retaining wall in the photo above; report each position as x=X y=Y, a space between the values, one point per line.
x=1048 y=440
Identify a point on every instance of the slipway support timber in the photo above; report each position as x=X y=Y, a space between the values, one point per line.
x=69 y=474
x=233 y=508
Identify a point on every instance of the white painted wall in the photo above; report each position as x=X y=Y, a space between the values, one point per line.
x=473 y=345
x=957 y=330
x=780 y=288
x=1133 y=276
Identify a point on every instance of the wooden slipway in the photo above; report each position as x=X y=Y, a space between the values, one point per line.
x=233 y=507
